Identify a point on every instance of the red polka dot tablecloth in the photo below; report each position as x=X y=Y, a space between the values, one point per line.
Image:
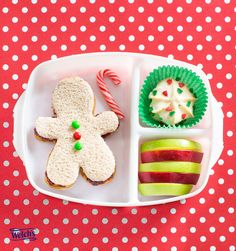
x=199 y=32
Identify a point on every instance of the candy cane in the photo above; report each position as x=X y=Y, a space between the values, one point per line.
x=106 y=94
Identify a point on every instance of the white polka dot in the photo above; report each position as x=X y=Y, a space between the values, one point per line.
x=203 y=238
x=227 y=19
x=131 y=38
x=141 y=28
x=230 y=191
x=112 y=19
x=208 y=19
x=150 y=19
x=221 y=219
x=170 y=19
x=5 y=10
x=140 y=9
x=46 y=240
x=153 y=211
x=141 y=47
x=63 y=9
x=144 y=239
x=221 y=181
x=222 y=238
x=202 y=219
x=212 y=229
x=218 y=28
x=228 y=57
x=105 y=240
x=160 y=9
x=229 y=114
x=220 y=162
x=83 y=47
x=230 y=152
x=6 y=144
x=73 y=38
x=160 y=28
x=218 y=9
x=121 y=9
x=227 y=38
x=231 y=229
x=230 y=171
x=6 y=240
x=231 y=210
x=161 y=47
x=54 y=19
x=44 y=9
x=102 y=47
x=121 y=28
x=122 y=47
x=173 y=211
x=192 y=229
x=183 y=238
x=163 y=239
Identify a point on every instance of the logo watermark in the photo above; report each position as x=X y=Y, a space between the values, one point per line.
x=19 y=234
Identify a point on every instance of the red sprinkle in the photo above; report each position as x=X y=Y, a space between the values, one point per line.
x=165 y=93
x=77 y=135
x=169 y=108
x=184 y=116
x=181 y=85
x=169 y=81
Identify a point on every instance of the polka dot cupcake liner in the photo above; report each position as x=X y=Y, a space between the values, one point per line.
x=188 y=77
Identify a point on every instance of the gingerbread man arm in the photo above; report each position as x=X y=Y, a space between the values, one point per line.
x=106 y=122
x=47 y=127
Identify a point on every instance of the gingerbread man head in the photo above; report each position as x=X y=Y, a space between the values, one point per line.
x=79 y=145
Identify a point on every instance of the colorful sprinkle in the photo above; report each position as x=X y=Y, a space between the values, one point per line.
x=179 y=91
x=165 y=93
x=77 y=135
x=154 y=92
x=188 y=103
x=169 y=81
x=169 y=108
x=181 y=85
x=177 y=79
x=184 y=116
x=172 y=113
x=78 y=146
x=75 y=124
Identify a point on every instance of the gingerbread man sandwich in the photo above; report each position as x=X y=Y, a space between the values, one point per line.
x=79 y=146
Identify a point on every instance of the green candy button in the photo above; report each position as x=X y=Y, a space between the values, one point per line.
x=78 y=146
x=75 y=124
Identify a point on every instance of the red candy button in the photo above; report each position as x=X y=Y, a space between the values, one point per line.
x=165 y=93
x=181 y=85
x=76 y=136
x=184 y=116
x=169 y=81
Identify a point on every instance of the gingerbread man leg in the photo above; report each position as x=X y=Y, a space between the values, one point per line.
x=63 y=164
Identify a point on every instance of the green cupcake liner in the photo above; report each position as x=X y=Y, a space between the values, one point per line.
x=195 y=85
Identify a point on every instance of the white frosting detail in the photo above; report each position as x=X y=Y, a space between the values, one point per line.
x=176 y=101
x=73 y=99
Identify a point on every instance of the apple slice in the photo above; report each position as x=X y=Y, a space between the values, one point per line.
x=171 y=166
x=171 y=144
x=175 y=155
x=166 y=189
x=161 y=177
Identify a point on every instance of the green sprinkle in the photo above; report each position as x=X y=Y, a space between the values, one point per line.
x=172 y=113
x=179 y=91
x=160 y=118
x=188 y=103
x=150 y=109
x=75 y=124
x=78 y=146
x=177 y=79
x=154 y=92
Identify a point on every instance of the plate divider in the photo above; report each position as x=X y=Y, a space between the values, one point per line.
x=134 y=134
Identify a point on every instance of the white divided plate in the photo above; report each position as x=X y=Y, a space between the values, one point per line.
x=125 y=143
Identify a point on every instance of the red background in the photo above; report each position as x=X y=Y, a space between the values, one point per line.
x=199 y=32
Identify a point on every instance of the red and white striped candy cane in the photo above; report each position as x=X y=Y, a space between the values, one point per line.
x=106 y=94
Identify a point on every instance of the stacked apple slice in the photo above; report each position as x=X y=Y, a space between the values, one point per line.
x=169 y=167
